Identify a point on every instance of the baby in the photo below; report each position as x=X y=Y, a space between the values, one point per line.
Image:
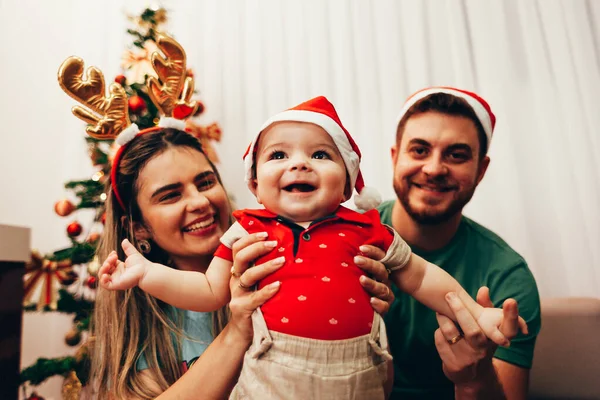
x=318 y=337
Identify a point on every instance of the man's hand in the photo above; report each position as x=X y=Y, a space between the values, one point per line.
x=467 y=355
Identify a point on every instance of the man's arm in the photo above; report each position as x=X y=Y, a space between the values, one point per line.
x=503 y=381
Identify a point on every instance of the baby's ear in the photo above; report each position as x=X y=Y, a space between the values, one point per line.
x=253 y=185
x=347 y=189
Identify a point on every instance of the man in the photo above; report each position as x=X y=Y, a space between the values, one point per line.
x=439 y=158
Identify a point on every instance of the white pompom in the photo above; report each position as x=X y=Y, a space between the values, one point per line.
x=168 y=122
x=127 y=135
x=367 y=199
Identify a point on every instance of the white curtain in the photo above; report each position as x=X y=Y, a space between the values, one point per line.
x=535 y=61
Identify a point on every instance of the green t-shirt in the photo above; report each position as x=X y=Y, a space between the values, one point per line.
x=197 y=326
x=475 y=257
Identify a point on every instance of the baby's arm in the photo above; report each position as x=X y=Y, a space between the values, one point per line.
x=190 y=290
x=430 y=284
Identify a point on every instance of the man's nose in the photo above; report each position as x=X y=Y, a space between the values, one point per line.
x=435 y=166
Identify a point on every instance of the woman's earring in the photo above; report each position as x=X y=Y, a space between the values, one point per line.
x=144 y=246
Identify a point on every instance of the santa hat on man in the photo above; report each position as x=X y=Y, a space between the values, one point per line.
x=481 y=108
x=320 y=111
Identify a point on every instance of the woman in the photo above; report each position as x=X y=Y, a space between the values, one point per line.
x=172 y=206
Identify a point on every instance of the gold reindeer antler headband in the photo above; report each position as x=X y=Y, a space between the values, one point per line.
x=108 y=117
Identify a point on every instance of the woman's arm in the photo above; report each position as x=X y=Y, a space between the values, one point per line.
x=215 y=373
x=376 y=281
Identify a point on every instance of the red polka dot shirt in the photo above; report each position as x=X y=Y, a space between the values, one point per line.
x=320 y=295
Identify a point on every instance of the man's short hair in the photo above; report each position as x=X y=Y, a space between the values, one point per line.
x=446 y=104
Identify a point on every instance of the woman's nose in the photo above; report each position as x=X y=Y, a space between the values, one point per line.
x=197 y=201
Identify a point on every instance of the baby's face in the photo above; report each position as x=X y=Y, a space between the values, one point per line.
x=300 y=173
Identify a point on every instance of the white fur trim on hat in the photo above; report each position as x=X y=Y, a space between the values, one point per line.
x=478 y=108
x=127 y=134
x=169 y=122
x=351 y=159
x=367 y=199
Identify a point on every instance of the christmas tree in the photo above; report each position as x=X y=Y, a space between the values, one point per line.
x=65 y=280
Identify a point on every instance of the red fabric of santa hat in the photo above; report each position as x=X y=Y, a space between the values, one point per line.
x=481 y=108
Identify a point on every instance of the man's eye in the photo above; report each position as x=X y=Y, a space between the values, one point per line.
x=321 y=155
x=277 y=155
x=419 y=151
x=458 y=156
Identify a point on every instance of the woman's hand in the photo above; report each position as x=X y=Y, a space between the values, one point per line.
x=376 y=283
x=243 y=299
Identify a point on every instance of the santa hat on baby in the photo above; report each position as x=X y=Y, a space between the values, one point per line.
x=482 y=109
x=320 y=111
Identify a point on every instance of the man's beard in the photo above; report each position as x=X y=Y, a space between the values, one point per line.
x=429 y=216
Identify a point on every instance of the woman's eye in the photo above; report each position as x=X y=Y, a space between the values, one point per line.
x=206 y=184
x=321 y=155
x=277 y=155
x=169 y=196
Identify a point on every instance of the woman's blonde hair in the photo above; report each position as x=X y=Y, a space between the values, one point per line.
x=131 y=323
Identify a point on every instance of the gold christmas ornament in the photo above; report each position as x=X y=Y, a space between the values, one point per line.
x=71 y=389
x=73 y=337
x=93 y=266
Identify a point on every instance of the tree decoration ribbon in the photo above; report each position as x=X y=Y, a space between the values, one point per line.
x=45 y=275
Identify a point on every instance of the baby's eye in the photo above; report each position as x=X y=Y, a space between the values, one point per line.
x=277 y=155
x=321 y=155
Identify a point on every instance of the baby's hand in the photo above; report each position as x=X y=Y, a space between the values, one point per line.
x=117 y=275
x=490 y=321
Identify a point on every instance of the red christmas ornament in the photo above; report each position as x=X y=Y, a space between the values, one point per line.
x=120 y=79
x=103 y=219
x=64 y=207
x=200 y=108
x=34 y=396
x=92 y=282
x=136 y=104
x=74 y=229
